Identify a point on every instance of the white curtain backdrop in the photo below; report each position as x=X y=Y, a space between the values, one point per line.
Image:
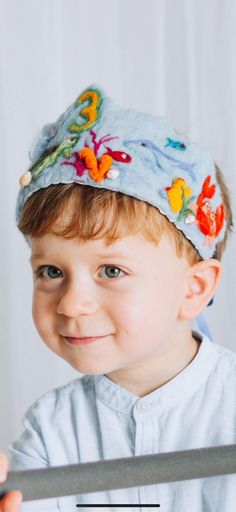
x=169 y=57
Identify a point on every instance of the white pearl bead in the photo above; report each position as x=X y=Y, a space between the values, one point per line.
x=25 y=179
x=190 y=219
x=112 y=174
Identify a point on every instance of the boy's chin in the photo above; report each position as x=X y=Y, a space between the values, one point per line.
x=89 y=367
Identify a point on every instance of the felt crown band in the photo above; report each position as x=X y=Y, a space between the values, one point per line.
x=103 y=145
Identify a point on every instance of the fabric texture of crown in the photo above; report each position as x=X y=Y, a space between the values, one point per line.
x=100 y=144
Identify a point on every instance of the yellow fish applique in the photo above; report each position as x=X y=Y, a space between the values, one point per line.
x=178 y=193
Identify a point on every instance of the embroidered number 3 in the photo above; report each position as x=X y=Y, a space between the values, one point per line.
x=90 y=113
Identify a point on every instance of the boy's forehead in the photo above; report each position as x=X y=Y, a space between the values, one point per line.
x=125 y=245
x=131 y=249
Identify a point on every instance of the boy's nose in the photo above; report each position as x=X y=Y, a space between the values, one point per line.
x=76 y=302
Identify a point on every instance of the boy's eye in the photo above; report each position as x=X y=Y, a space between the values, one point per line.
x=111 y=271
x=48 y=272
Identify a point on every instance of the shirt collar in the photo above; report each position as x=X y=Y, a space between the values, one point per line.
x=178 y=389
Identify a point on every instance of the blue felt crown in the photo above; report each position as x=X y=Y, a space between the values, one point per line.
x=100 y=144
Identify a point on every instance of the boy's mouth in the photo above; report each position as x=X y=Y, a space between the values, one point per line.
x=84 y=340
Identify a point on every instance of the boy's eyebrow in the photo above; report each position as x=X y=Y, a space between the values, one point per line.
x=114 y=254
x=36 y=256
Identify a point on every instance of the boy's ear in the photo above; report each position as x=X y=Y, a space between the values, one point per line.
x=202 y=280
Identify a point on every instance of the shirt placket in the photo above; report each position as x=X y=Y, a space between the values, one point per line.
x=143 y=412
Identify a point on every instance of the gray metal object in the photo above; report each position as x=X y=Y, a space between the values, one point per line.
x=122 y=473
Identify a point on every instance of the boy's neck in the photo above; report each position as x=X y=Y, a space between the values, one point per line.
x=161 y=369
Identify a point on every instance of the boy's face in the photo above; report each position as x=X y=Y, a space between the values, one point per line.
x=127 y=295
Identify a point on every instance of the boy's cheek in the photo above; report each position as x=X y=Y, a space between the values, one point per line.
x=41 y=315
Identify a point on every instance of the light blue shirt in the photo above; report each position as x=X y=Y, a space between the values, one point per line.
x=92 y=418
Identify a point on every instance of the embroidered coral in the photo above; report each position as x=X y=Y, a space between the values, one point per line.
x=97 y=167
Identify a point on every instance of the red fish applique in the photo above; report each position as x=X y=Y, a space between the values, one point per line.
x=209 y=222
x=119 y=156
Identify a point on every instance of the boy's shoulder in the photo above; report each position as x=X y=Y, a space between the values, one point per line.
x=220 y=353
x=62 y=396
x=221 y=363
x=225 y=356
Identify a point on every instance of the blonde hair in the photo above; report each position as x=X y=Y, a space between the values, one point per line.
x=93 y=213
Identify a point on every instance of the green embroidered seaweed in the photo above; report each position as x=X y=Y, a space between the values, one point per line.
x=185 y=210
x=64 y=149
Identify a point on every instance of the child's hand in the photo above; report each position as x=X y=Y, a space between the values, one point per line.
x=12 y=500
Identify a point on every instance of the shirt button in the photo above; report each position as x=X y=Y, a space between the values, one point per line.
x=143 y=407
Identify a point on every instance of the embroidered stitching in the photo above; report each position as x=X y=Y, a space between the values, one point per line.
x=64 y=149
x=185 y=166
x=209 y=222
x=176 y=144
x=91 y=112
x=99 y=168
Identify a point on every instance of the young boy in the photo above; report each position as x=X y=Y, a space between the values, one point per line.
x=127 y=223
